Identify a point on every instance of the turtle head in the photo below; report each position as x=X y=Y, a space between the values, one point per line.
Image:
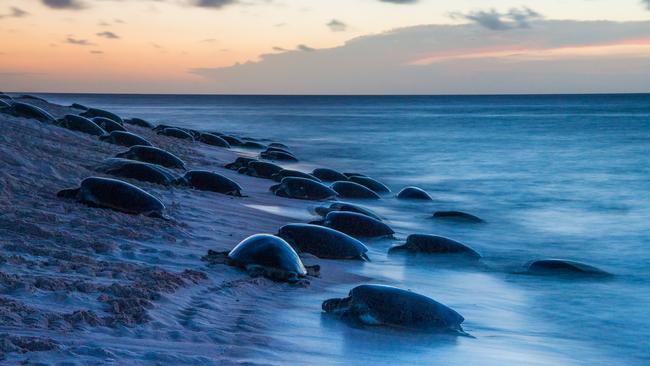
x=337 y=306
x=68 y=193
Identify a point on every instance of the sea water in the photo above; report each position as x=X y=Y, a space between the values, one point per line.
x=558 y=176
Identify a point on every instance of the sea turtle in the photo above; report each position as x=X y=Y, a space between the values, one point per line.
x=176 y=133
x=265 y=255
x=391 y=306
x=433 y=244
x=78 y=106
x=25 y=110
x=81 y=124
x=413 y=193
x=370 y=183
x=356 y=224
x=138 y=122
x=239 y=163
x=323 y=242
x=328 y=175
x=138 y=170
x=280 y=145
x=559 y=267
x=154 y=155
x=302 y=188
x=285 y=173
x=108 y=124
x=116 y=195
x=253 y=145
x=353 y=190
x=278 y=155
x=260 y=169
x=122 y=138
x=349 y=207
x=95 y=112
x=210 y=181
x=457 y=215
x=214 y=140
x=232 y=140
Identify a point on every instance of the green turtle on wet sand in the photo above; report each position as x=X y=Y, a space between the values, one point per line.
x=265 y=255
x=380 y=305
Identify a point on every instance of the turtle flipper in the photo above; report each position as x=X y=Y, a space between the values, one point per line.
x=68 y=193
x=255 y=270
x=214 y=257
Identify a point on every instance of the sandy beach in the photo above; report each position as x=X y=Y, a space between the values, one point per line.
x=72 y=273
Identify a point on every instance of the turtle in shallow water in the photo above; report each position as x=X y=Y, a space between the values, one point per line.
x=414 y=193
x=559 y=267
x=348 y=189
x=370 y=183
x=457 y=216
x=391 y=306
x=279 y=145
x=232 y=140
x=278 y=155
x=349 y=207
x=302 y=188
x=154 y=155
x=209 y=181
x=25 y=110
x=265 y=255
x=433 y=244
x=286 y=173
x=323 y=242
x=116 y=195
x=356 y=225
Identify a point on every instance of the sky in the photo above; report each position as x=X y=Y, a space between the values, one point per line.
x=325 y=46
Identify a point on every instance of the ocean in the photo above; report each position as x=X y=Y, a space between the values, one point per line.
x=557 y=176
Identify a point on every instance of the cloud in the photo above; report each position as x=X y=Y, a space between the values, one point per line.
x=64 y=4
x=553 y=56
x=305 y=48
x=109 y=35
x=15 y=13
x=96 y=52
x=339 y=26
x=399 y=1
x=78 y=42
x=280 y=49
x=216 y=4
x=491 y=19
